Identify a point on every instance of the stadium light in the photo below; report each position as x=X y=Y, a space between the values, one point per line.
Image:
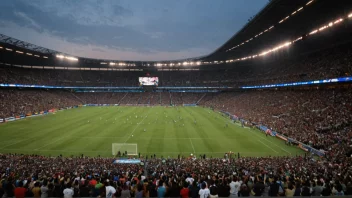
x=103 y=63
x=8 y=49
x=111 y=63
x=60 y=56
x=293 y=13
x=1 y=47
x=323 y=28
x=45 y=57
x=350 y=15
x=313 y=32
x=300 y=38
x=19 y=52
x=338 y=21
x=185 y=63
x=71 y=58
x=299 y=9
x=309 y=2
x=36 y=55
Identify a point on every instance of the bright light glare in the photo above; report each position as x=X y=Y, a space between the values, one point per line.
x=60 y=56
x=322 y=28
x=71 y=58
x=338 y=21
x=350 y=15
x=313 y=32
x=309 y=2
x=111 y=63
x=19 y=52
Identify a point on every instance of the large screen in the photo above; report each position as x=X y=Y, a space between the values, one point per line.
x=148 y=81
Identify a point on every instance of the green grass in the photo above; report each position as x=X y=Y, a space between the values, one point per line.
x=69 y=133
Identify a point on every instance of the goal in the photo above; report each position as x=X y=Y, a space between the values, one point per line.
x=130 y=148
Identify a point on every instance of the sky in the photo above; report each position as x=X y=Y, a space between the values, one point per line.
x=149 y=30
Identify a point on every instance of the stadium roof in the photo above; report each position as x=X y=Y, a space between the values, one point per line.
x=280 y=22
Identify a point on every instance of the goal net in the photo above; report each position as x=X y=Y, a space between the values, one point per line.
x=131 y=149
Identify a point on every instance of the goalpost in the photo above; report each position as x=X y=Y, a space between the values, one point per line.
x=130 y=148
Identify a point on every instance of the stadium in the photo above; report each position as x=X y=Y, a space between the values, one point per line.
x=268 y=113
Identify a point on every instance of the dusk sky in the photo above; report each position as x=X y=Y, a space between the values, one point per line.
x=127 y=29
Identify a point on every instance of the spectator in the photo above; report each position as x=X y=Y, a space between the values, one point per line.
x=36 y=189
x=161 y=189
x=185 y=191
x=204 y=191
x=20 y=191
x=44 y=190
x=68 y=192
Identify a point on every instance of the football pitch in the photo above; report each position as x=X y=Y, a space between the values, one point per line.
x=162 y=131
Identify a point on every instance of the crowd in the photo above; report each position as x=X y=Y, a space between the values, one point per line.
x=320 y=118
x=39 y=176
x=15 y=102
x=323 y=64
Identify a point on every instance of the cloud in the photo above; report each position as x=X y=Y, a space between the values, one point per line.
x=127 y=29
x=29 y=20
x=48 y=40
x=86 y=12
x=98 y=50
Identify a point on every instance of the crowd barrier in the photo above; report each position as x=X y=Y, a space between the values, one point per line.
x=127 y=161
x=189 y=105
x=265 y=129
x=96 y=105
